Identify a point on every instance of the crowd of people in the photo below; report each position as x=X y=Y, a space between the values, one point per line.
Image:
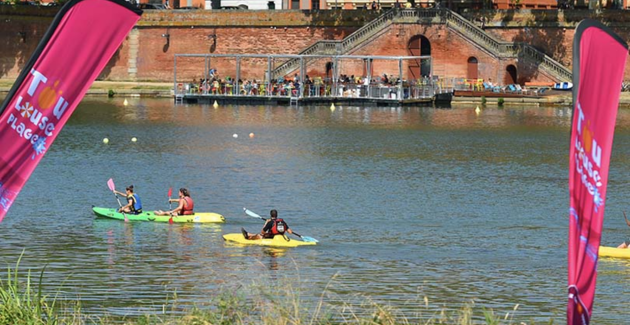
x=346 y=86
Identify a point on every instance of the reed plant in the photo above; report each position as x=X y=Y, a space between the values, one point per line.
x=21 y=303
x=257 y=302
x=283 y=304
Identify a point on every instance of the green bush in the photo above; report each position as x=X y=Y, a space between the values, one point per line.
x=483 y=100
x=500 y=101
x=111 y=93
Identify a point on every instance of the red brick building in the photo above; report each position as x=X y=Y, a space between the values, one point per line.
x=147 y=54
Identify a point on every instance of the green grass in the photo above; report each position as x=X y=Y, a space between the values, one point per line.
x=253 y=303
x=20 y=303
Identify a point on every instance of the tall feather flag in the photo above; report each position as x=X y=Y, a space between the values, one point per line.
x=82 y=38
x=599 y=60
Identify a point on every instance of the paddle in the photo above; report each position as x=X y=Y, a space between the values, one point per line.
x=170 y=192
x=304 y=238
x=170 y=207
x=112 y=187
x=625 y=217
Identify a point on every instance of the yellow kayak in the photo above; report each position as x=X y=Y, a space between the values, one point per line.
x=277 y=241
x=614 y=252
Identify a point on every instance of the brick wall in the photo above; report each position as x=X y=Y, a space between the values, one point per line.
x=147 y=55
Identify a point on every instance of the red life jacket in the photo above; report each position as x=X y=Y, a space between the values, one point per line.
x=279 y=227
x=188 y=207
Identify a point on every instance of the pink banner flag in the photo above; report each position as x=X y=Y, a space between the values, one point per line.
x=82 y=38
x=599 y=60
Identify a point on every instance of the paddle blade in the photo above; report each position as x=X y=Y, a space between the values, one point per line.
x=170 y=192
x=309 y=239
x=110 y=184
x=252 y=214
x=170 y=220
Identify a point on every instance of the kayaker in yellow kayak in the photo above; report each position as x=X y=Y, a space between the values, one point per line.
x=625 y=244
x=272 y=227
x=185 y=205
x=134 y=205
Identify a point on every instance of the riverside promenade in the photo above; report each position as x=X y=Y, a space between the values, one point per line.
x=165 y=90
x=123 y=89
x=120 y=88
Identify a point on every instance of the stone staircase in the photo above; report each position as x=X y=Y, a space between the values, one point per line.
x=452 y=20
x=350 y=42
x=505 y=49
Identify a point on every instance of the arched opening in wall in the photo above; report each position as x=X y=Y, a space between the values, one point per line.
x=419 y=45
x=511 y=75
x=472 y=72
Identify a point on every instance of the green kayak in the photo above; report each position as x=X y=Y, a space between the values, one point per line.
x=202 y=217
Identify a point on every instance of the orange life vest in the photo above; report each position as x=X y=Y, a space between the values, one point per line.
x=188 y=207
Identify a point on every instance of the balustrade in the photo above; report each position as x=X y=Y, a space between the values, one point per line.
x=446 y=16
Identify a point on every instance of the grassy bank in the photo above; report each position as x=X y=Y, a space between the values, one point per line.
x=23 y=302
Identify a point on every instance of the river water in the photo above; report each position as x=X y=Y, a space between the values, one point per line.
x=406 y=202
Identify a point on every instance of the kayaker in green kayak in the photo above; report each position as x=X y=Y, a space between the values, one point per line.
x=185 y=205
x=134 y=204
x=272 y=227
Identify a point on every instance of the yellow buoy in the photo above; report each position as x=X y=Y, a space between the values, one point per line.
x=215 y=105
x=332 y=107
x=125 y=102
x=477 y=110
x=251 y=135
x=105 y=140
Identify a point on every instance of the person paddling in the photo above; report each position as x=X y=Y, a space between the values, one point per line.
x=134 y=205
x=185 y=205
x=272 y=227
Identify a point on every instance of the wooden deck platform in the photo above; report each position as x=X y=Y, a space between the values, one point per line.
x=283 y=100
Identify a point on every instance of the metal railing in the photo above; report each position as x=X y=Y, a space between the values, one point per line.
x=423 y=89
